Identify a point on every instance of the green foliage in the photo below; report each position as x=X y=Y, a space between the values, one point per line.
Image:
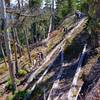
x=1 y=94
x=18 y=95
x=9 y=85
x=39 y=29
x=22 y=72
x=63 y=8
x=34 y=3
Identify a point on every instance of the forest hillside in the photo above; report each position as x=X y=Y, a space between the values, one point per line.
x=49 y=49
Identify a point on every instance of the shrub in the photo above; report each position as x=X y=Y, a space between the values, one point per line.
x=9 y=85
x=22 y=72
x=19 y=95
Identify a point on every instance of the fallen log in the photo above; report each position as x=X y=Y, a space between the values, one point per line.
x=75 y=89
x=55 y=85
x=36 y=83
x=55 y=52
x=56 y=82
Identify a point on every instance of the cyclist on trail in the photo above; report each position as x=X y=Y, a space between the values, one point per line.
x=79 y=14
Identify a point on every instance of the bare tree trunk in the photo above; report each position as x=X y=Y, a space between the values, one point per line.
x=51 y=26
x=15 y=51
x=18 y=42
x=16 y=60
x=16 y=38
x=27 y=44
x=4 y=57
x=8 y=47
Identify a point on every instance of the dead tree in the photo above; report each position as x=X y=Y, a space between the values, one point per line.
x=55 y=52
x=19 y=49
x=15 y=52
x=73 y=89
x=8 y=46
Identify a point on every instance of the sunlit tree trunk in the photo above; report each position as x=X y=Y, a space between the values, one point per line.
x=50 y=26
x=8 y=46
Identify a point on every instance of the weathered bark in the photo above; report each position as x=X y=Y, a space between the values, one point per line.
x=15 y=51
x=8 y=47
